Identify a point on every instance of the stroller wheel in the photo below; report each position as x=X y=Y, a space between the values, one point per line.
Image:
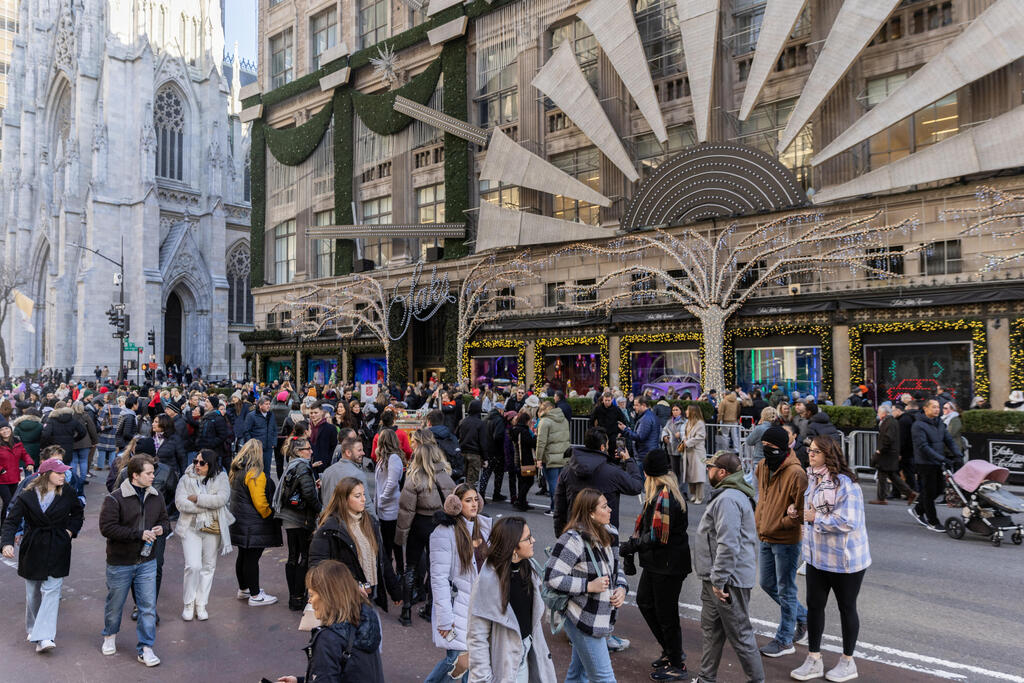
x=1017 y=538
x=955 y=527
x=997 y=540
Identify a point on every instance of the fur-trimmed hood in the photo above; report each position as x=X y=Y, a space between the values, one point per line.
x=26 y=418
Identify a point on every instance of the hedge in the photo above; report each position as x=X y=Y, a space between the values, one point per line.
x=993 y=421
x=850 y=417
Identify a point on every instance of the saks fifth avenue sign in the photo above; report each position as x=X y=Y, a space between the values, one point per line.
x=418 y=303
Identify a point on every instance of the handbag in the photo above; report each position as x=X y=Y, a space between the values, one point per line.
x=524 y=470
x=212 y=528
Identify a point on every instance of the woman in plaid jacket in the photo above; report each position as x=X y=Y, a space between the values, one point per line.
x=585 y=565
x=835 y=547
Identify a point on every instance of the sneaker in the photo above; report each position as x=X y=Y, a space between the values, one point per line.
x=878 y=502
x=148 y=657
x=800 y=636
x=243 y=594
x=201 y=613
x=937 y=528
x=498 y=498
x=845 y=670
x=812 y=668
x=917 y=518
x=45 y=645
x=777 y=649
x=135 y=614
x=549 y=513
x=188 y=612
x=660 y=662
x=109 y=645
x=802 y=569
x=616 y=644
x=670 y=673
x=262 y=599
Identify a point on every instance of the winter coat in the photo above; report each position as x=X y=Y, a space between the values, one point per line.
x=646 y=433
x=327 y=645
x=256 y=425
x=29 y=429
x=324 y=444
x=210 y=506
x=420 y=498
x=930 y=438
x=494 y=642
x=451 y=583
x=672 y=435
x=255 y=525
x=726 y=546
x=62 y=429
x=389 y=487
x=597 y=470
x=333 y=541
x=553 y=439
x=565 y=407
x=695 y=452
x=523 y=442
x=819 y=424
x=12 y=455
x=607 y=419
x=472 y=431
x=123 y=518
x=92 y=437
x=662 y=411
x=906 y=421
x=452 y=450
x=776 y=492
x=172 y=452
x=126 y=429
x=887 y=458
x=304 y=516
x=46 y=546
x=333 y=475
x=570 y=568
x=495 y=445
x=672 y=558
x=214 y=433
x=729 y=410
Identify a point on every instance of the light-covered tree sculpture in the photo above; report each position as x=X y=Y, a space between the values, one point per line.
x=717 y=272
x=999 y=215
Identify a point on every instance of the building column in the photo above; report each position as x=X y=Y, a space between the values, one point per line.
x=257 y=367
x=998 y=332
x=529 y=359
x=613 y=360
x=840 y=359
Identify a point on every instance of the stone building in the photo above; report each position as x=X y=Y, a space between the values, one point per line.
x=8 y=30
x=816 y=108
x=121 y=135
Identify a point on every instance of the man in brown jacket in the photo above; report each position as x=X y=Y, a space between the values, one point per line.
x=729 y=414
x=781 y=483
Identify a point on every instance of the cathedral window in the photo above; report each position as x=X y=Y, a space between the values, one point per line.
x=239 y=295
x=169 y=124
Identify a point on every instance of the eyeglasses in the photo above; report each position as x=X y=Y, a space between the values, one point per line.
x=528 y=539
x=815 y=450
x=200 y=463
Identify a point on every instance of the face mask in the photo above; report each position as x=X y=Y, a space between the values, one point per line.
x=774 y=456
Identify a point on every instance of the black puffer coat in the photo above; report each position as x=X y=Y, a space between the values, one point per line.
x=327 y=645
x=46 y=546
x=62 y=429
x=332 y=541
x=251 y=529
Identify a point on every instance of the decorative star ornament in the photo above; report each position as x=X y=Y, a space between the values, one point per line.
x=385 y=65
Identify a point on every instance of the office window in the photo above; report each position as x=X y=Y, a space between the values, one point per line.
x=281 y=69
x=554 y=294
x=506 y=299
x=373 y=21
x=932 y=124
x=498 y=100
x=648 y=153
x=284 y=252
x=888 y=259
x=584 y=165
x=586 y=297
x=499 y=194
x=658 y=23
x=377 y=211
x=323 y=34
x=584 y=45
x=942 y=258
x=323 y=250
x=429 y=209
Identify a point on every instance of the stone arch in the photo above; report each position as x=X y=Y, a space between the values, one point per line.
x=195 y=332
x=43 y=275
x=173 y=118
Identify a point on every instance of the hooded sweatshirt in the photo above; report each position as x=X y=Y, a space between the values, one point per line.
x=725 y=548
x=595 y=469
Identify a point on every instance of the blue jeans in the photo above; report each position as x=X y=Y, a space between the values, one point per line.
x=551 y=477
x=779 y=562
x=591 y=662
x=440 y=672
x=120 y=580
x=42 y=601
x=104 y=458
x=80 y=462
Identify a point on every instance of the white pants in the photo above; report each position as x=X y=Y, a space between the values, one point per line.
x=200 y=550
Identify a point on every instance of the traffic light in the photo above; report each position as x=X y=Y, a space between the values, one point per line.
x=113 y=315
x=127 y=323
x=151 y=336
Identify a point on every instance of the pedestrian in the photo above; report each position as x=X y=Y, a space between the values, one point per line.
x=297 y=505
x=886 y=459
x=427 y=484
x=725 y=552
x=12 y=456
x=255 y=528
x=648 y=429
x=60 y=428
x=213 y=432
x=169 y=449
x=28 y=428
x=458 y=546
x=819 y=424
x=505 y=636
x=694 y=433
x=449 y=444
x=46 y=510
x=524 y=467
x=494 y=457
x=323 y=438
x=388 y=476
x=84 y=445
x=659 y=536
x=202 y=500
x=781 y=484
x=931 y=442
x=472 y=436
x=672 y=442
x=553 y=442
x=350 y=464
x=607 y=415
x=345 y=648
x=260 y=424
x=835 y=547
x=127 y=423
x=729 y=417
x=584 y=565
x=131 y=519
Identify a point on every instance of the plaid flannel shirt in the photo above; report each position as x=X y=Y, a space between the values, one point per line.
x=569 y=570
x=837 y=540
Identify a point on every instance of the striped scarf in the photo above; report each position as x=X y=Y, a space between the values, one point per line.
x=659 y=518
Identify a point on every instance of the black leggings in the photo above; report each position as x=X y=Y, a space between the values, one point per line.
x=298 y=560
x=392 y=552
x=6 y=492
x=846 y=587
x=247 y=569
x=418 y=543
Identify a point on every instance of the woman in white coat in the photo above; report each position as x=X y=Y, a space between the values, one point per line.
x=694 y=432
x=202 y=499
x=458 y=547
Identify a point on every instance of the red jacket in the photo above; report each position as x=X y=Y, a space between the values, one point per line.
x=403 y=442
x=10 y=455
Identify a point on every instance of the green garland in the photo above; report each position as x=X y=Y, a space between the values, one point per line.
x=292 y=146
x=258 y=213
x=260 y=336
x=296 y=87
x=1016 y=354
x=517 y=344
x=627 y=341
x=377 y=110
x=822 y=332
x=451 y=334
x=540 y=345
x=399 y=357
x=456 y=150
x=344 y=250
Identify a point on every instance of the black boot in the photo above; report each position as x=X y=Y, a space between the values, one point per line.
x=499 y=479
x=405 y=618
x=296 y=602
x=427 y=608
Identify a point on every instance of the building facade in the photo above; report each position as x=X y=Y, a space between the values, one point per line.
x=122 y=137
x=8 y=30
x=843 y=109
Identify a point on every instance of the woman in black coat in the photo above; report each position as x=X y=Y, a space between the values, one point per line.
x=255 y=528
x=169 y=449
x=523 y=444
x=53 y=515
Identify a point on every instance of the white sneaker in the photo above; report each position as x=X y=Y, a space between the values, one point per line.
x=812 y=668
x=109 y=645
x=148 y=657
x=188 y=612
x=243 y=594
x=802 y=569
x=45 y=645
x=261 y=599
x=201 y=613
x=845 y=670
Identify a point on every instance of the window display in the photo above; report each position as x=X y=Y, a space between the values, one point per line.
x=276 y=369
x=370 y=369
x=661 y=371
x=495 y=371
x=579 y=372
x=791 y=368
x=321 y=370
x=895 y=369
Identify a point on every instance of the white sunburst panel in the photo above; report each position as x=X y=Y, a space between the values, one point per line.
x=780 y=16
x=992 y=146
x=698 y=26
x=500 y=228
x=562 y=80
x=614 y=28
x=993 y=40
x=510 y=162
x=856 y=24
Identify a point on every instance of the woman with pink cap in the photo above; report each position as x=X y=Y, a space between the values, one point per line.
x=52 y=515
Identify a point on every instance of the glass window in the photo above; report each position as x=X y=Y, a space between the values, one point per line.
x=284 y=252
x=429 y=209
x=791 y=368
x=587 y=297
x=495 y=371
x=323 y=257
x=281 y=68
x=667 y=369
x=658 y=23
x=934 y=123
x=584 y=45
x=239 y=295
x=642 y=287
x=578 y=372
x=762 y=129
x=942 y=258
x=499 y=194
x=649 y=153
x=585 y=166
x=747 y=18
x=920 y=366
x=373 y=21
x=554 y=294
x=889 y=260
x=169 y=126
x=497 y=102
x=372 y=369
x=323 y=34
x=377 y=212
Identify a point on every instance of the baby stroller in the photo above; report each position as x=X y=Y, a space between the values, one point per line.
x=985 y=508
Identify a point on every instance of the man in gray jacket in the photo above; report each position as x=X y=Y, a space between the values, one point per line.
x=350 y=465
x=725 y=552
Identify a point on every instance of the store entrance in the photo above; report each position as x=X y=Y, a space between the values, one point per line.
x=425 y=374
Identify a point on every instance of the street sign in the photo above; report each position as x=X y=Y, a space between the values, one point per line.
x=130 y=346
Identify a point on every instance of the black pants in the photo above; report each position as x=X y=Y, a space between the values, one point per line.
x=657 y=596
x=677 y=467
x=418 y=540
x=522 y=489
x=6 y=492
x=298 y=562
x=893 y=476
x=279 y=458
x=846 y=588
x=909 y=471
x=495 y=466
x=392 y=552
x=930 y=478
x=247 y=569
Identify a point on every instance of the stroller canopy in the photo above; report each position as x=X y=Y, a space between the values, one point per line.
x=975 y=472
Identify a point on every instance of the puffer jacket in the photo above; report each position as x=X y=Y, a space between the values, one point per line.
x=29 y=429
x=62 y=429
x=303 y=517
x=596 y=470
x=328 y=643
x=420 y=498
x=255 y=525
x=931 y=438
x=451 y=583
x=553 y=439
x=472 y=431
x=12 y=455
x=210 y=505
x=333 y=541
x=389 y=486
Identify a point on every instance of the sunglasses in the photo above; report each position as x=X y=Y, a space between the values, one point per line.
x=199 y=463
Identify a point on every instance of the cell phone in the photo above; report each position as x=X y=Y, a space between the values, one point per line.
x=266 y=680
x=451 y=636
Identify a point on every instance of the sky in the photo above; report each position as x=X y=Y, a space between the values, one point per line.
x=240 y=27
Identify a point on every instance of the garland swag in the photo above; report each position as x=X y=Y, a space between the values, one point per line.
x=377 y=111
x=292 y=146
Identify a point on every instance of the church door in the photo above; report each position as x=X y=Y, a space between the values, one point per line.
x=172 y=330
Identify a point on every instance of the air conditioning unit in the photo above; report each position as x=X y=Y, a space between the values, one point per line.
x=435 y=253
x=363 y=265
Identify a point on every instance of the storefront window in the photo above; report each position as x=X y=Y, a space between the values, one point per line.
x=320 y=370
x=372 y=369
x=791 y=368
x=896 y=369
x=579 y=372
x=664 y=370
x=279 y=369
x=496 y=371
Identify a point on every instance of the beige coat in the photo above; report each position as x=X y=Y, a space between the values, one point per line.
x=695 y=453
x=729 y=409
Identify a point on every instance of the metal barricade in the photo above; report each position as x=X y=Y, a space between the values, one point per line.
x=578 y=429
x=858 y=447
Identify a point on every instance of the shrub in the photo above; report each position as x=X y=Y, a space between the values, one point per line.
x=850 y=417
x=993 y=421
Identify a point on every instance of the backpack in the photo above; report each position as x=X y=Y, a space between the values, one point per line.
x=291 y=495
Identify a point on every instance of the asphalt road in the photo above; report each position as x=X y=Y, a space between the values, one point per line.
x=931 y=609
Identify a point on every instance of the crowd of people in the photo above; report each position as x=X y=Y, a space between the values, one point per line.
x=376 y=517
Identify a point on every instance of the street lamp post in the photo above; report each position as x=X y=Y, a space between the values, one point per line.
x=120 y=304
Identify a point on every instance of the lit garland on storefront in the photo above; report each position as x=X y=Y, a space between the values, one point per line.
x=627 y=341
x=822 y=332
x=979 y=338
x=1017 y=354
x=518 y=345
x=541 y=345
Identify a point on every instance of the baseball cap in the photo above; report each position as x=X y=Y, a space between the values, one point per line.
x=53 y=465
x=727 y=460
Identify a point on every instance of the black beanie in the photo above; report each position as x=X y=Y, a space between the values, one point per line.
x=656 y=463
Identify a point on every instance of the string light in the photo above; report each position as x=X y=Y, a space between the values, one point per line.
x=517 y=344
x=541 y=345
x=1017 y=354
